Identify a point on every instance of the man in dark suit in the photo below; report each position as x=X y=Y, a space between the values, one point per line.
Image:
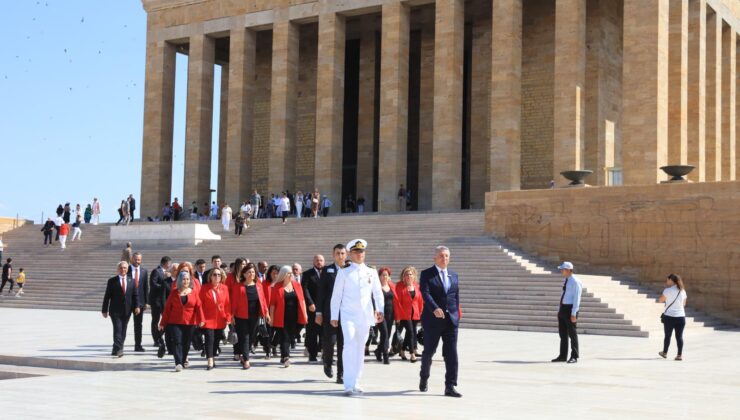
x=331 y=334
x=440 y=319
x=141 y=283
x=310 y=281
x=121 y=298
x=158 y=287
x=131 y=206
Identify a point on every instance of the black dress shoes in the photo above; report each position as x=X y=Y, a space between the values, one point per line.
x=573 y=360
x=423 y=385
x=340 y=379
x=451 y=392
x=119 y=353
x=328 y=370
x=559 y=359
x=113 y=353
x=139 y=349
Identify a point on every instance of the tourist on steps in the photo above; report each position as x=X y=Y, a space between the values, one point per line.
x=570 y=305
x=674 y=316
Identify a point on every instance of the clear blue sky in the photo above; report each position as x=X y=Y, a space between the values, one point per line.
x=72 y=105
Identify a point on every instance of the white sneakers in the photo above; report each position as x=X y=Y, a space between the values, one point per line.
x=354 y=391
x=178 y=368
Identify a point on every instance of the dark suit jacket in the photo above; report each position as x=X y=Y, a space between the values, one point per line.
x=310 y=281
x=143 y=284
x=433 y=292
x=158 y=288
x=326 y=287
x=115 y=302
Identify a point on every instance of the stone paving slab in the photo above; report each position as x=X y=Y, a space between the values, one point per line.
x=502 y=375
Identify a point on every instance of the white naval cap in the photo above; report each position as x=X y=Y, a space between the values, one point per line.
x=359 y=244
x=566 y=265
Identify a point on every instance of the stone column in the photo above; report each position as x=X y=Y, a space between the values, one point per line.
x=737 y=108
x=426 y=118
x=697 y=89
x=199 y=121
x=645 y=91
x=239 y=138
x=394 y=92
x=449 y=27
x=506 y=95
x=714 y=97
x=480 y=110
x=570 y=82
x=159 y=109
x=330 y=107
x=281 y=167
x=366 y=119
x=678 y=40
x=223 y=128
x=729 y=76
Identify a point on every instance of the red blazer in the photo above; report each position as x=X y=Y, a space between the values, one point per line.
x=230 y=281
x=176 y=313
x=402 y=311
x=216 y=313
x=239 y=303
x=278 y=302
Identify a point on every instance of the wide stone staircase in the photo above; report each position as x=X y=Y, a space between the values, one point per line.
x=497 y=291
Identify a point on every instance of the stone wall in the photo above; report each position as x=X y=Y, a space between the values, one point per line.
x=8 y=223
x=306 y=109
x=262 y=92
x=538 y=65
x=648 y=231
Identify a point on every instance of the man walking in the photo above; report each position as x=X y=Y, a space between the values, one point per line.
x=355 y=289
x=131 y=207
x=141 y=284
x=7 y=276
x=120 y=299
x=570 y=304
x=440 y=319
x=325 y=206
x=401 y=198
x=331 y=334
x=256 y=204
x=310 y=281
x=161 y=282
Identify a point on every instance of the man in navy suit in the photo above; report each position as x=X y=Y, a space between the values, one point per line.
x=440 y=319
x=141 y=283
x=121 y=297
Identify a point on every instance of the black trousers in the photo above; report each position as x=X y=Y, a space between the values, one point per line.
x=447 y=331
x=671 y=324
x=313 y=331
x=246 y=332
x=286 y=336
x=138 y=327
x=566 y=329
x=180 y=336
x=409 y=342
x=284 y=215
x=48 y=237
x=120 y=324
x=156 y=334
x=7 y=281
x=385 y=333
x=331 y=336
x=238 y=229
x=211 y=341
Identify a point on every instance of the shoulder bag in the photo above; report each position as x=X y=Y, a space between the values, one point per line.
x=662 y=316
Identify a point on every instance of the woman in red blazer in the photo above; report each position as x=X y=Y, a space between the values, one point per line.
x=194 y=283
x=390 y=304
x=248 y=305
x=182 y=312
x=270 y=282
x=408 y=311
x=287 y=310
x=214 y=298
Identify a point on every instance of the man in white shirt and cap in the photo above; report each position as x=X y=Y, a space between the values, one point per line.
x=354 y=290
x=570 y=305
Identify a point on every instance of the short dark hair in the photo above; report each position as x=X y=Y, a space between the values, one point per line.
x=246 y=268
x=339 y=246
x=224 y=266
x=200 y=261
x=21 y=270
x=215 y=257
x=9 y=260
x=165 y=260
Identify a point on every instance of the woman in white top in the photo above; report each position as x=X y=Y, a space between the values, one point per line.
x=674 y=315
x=284 y=206
x=298 y=204
x=226 y=216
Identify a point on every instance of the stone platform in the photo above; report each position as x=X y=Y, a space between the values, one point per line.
x=502 y=374
x=162 y=233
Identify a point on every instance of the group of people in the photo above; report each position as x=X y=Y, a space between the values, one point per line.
x=256 y=307
x=63 y=222
x=127 y=211
x=7 y=276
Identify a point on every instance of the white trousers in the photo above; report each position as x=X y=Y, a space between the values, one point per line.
x=355 y=333
x=95 y=219
x=63 y=241
x=225 y=222
x=298 y=209
x=76 y=233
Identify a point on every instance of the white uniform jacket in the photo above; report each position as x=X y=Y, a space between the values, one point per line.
x=354 y=289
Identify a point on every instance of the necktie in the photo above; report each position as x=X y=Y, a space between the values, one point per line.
x=123 y=285
x=563 y=295
x=446 y=280
x=136 y=278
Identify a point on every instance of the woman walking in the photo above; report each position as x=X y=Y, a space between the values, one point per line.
x=216 y=312
x=287 y=311
x=674 y=316
x=248 y=304
x=284 y=206
x=181 y=313
x=409 y=308
x=315 y=197
x=390 y=300
x=226 y=216
x=298 y=204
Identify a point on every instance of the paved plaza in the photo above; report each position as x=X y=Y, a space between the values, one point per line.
x=502 y=375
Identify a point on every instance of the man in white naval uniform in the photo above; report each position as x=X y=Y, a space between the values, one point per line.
x=354 y=290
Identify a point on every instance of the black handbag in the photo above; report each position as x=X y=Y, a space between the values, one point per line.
x=662 y=316
x=420 y=336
